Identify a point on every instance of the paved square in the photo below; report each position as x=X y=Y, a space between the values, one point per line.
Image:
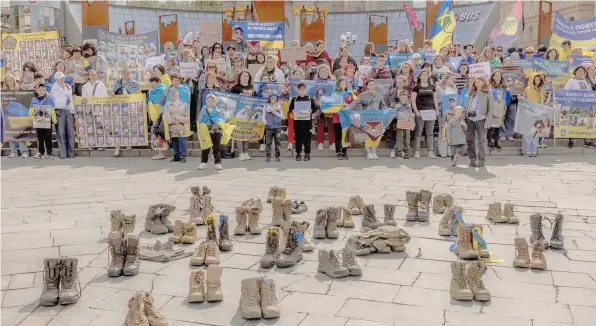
x=61 y=208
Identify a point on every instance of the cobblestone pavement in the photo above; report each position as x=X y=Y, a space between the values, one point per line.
x=61 y=208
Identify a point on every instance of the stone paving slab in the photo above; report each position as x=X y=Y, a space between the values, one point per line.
x=67 y=214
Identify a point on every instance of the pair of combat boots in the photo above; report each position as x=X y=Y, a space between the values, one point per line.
x=467 y=284
x=208 y=251
x=464 y=246
x=282 y=211
x=556 y=239
x=60 y=282
x=330 y=263
x=141 y=311
x=507 y=215
x=441 y=203
x=247 y=216
x=200 y=204
x=356 y=205
x=157 y=221
x=369 y=217
x=276 y=192
x=290 y=255
x=326 y=223
x=122 y=223
x=418 y=205
x=197 y=292
x=449 y=224
x=258 y=299
x=184 y=232
x=125 y=253
x=522 y=254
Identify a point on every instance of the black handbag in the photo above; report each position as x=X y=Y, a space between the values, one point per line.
x=160 y=130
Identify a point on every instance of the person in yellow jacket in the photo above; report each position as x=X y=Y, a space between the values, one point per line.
x=37 y=111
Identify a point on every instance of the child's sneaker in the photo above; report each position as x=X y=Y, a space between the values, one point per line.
x=25 y=155
x=392 y=154
x=37 y=156
x=344 y=156
x=416 y=154
x=375 y=157
x=48 y=157
x=13 y=155
x=339 y=156
x=533 y=155
x=298 y=157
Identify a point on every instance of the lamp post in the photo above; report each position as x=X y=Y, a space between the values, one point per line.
x=348 y=38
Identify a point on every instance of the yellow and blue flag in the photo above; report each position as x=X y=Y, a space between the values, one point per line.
x=442 y=29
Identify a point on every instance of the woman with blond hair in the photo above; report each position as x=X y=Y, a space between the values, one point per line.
x=445 y=87
x=489 y=54
x=369 y=50
x=403 y=47
x=479 y=106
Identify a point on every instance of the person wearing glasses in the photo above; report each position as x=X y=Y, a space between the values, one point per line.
x=210 y=66
x=528 y=52
x=499 y=54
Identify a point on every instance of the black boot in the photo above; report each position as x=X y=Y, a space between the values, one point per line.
x=307 y=157
x=268 y=159
x=298 y=157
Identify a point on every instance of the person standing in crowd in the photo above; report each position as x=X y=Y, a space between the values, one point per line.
x=489 y=54
x=371 y=100
x=159 y=71
x=499 y=53
x=319 y=53
x=44 y=135
x=243 y=81
x=402 y=136
x=468 y=50
x=64 y=105
x=403 y=47
x=236 y=68
x=445 y=87
x=211 y=116
x=205 y=55
x=169 y=50
x=479 y=105
x=272 y=117
x=10 y=84
x=494 y=121
x=303 y=109
x=243 y=145
x=323 y=74
x=530 y=142
x=171 y=66
x=552 y=54
x=439 y=66
x=154 y=98
x=81 y=67
x=463 y=70
x=59 y=66
x=380 y=71
x=177 y=117
x=341 y=89
x=456 y=134
x=406 y=70
x=424 y=101
x=274 y=73
x=344 y=51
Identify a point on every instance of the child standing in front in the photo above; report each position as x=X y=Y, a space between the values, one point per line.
x=530 y=142
x=44 y=134
x=272 y=117
x=303 y=108
x=402 y=137
x=456 y=134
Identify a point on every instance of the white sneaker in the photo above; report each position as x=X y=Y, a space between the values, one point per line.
x=510 y=138
x=37 y=156
x=375 y=157
x=392 y=154
x=262 y=148
x=241 y=157
x=320 y=147
x=416 y=154
x=369 y=156
x=543 y=146
x=100 y=149
x=12 y=155
x=117 y=151
x=246 y=156
x=289 y=146
x=431 y=155
x=218 y=167
x=332 y=147
x=202 y=166
x=502 y=138
x=25 y=155
x=158 y=157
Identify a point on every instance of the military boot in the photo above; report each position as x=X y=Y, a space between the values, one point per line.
x=369 y=218
x=254 y=213
x=196 y=206
x=319 y=229
x=303 y=228
x=424 y=198
x=447 y=221
x=212 y=250
x=292 y=253
x=346 y=218
x=389 y=215
x=165 y=212
x=153 y=221
x=463 y=247
x=536 y=228
x=495 y=214
x=522 y=254
x=51 y=282
x=249 y=298
x=69 y=278
x=225 y=244
x=241 y=219
x=214 y=292
x=287 y=210
x=331 y=224
x=412 y=201
x=538 y=261
x=207 y=208
x=509 y=213
x=136 y=312
x=439 y=204
x=196 y=286
x=281 y=193
x=556 y=239
x=269 y=305
x=329 y=264
x=449 y=202
x=116 y=220
x=474 y=276
x=482 y=252
x=277 y=215
x=133 y=260
x=190 y=233
x=349 y=257
x=354 y=205
x=178 y=231
x=272 y=194
x=128 y=224
x=271 y=248
x=154 y=317
x=117 y=249
x=459 y=288
x=198 y=258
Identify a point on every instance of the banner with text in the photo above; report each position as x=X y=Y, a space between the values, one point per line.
x=530 y=115
x=40 y=48
x=314 y=88
x=268 y=36
x=556 y=71
x=576 y=114
x=581 y=33
x=18 y=125
x=371 y=123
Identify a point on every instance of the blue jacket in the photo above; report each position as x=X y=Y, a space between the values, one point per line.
x=47 y=100
x=214 y=118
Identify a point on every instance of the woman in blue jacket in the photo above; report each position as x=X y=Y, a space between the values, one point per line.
x=211 y=116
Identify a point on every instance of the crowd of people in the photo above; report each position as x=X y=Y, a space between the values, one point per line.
x=417 y=87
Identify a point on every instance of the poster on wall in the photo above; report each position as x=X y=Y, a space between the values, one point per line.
x=254 y=36
x=110 y=121
x=116 y=52
x=575 y=114
x=18 y=125
x=40 y=48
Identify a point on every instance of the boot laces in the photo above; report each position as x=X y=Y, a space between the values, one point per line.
x=268 y=293
x=478 y=281
x=290 y=242
x=522 y=251
x=137 y=313
x=538 y=229
x=150 y=310
x=210 y=222
x=272 y=242
x=251 y=298
x=51 y=283
x=460 y=278
x=334 y=260
x=67 y=278
x=117 y=258
x=224 y=231
x=128 y=225
x=211 y=249
x=349 y=256
x=198 y=279
x=178 y=229
x=557 y=228
x=320 y=219
x=131 y=257
x=537 y=251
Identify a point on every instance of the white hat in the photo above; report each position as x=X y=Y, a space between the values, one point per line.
x=211 y=95
x=58 y=75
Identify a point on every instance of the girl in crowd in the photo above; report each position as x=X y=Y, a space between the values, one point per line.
x=463 y=70
x=177 y=113
x=320 y=53
x=445 y=87
x=94 y=87
x=406 y=70
x=456 y=134
x=154 y=98
x=217 y=48
x=296 y=74
x=324 y=74
x=369 y=50
x=188 y=56
x=273 y=116
x=403 y=47
x=341 y=70
x=489 y=54
x=205 y=55
x=243 y=81
x=159 y=71
x=552 y=54
x=439 y=66
x=274 y=73
x=428 y=67
x=479 y=105
x=59 y=66
x=425 y=98
x=344 y=51
x=210 y=66
x=10 y=84
x=341 y=89
x=444 y=51
x=171 y=66
x=237 y=67
x=210 y=115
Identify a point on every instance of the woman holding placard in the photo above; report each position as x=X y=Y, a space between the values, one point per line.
x=426 y=107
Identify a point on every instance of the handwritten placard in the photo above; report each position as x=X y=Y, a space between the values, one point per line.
x=293 y=54
x=189 y=69
x=210 y=32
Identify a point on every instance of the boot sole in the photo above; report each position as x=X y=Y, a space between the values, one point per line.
x=66 y=301
x=253 y=315
x=355 y=273
x=48 y=303
x=541 y=267
x=197 y=262
x=521 y=265
x=482 y=297
x=115 y=274
x=195 y=299
x=468 y=297
x=226 y=248
x=320 y=270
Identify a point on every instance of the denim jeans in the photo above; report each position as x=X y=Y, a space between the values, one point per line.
x=430 y=140
x=20 y=145
x=272 y=135
x=65 y=133
x=475 y=131
x=529 y=144
x=242 y=147
x=509 y=122
x=179 y=147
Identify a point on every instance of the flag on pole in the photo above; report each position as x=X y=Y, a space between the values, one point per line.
x=507 y=32
x=411 y=14
x=442 y=29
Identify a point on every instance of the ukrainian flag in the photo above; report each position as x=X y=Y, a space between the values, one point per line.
x=442 y=29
